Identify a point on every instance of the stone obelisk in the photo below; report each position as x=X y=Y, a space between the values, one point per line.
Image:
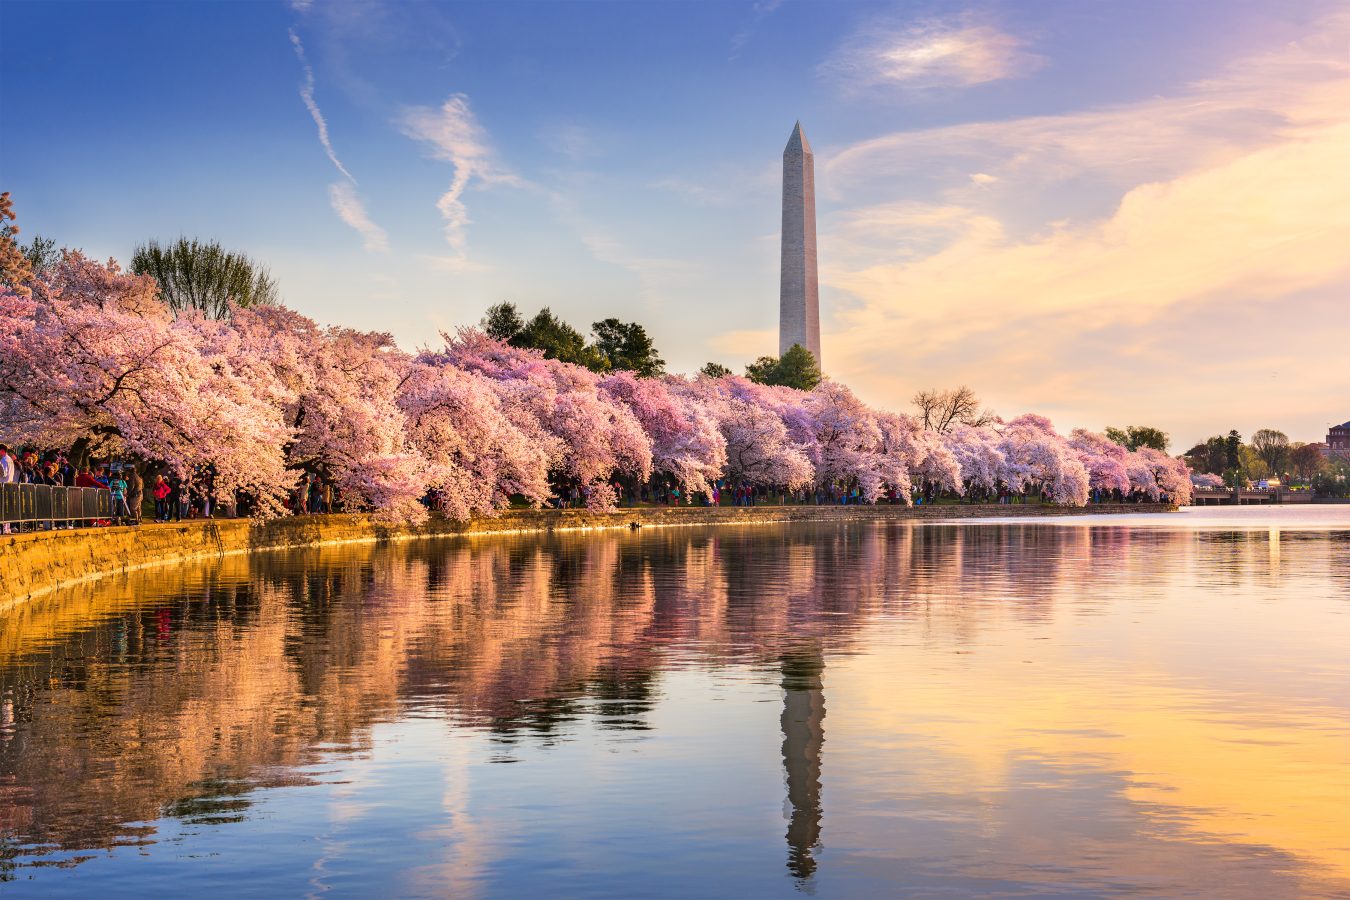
x=799 y=290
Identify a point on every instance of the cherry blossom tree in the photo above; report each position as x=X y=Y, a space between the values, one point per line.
x=338 y=392
x=1039 y=457
x=853 y=445
x=1104 y=460
x=474 y=454
x=1142 y=478
x=759 y=450
x=592 y=435
x=91 y=357
x=686 y=442
x=1170 y=474
x=928 y=459
x=978 y=455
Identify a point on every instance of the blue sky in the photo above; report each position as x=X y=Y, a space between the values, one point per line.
x=1047 y=201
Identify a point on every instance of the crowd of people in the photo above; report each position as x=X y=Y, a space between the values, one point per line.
x=664 y=491
x=136 y=497
x=137 y=494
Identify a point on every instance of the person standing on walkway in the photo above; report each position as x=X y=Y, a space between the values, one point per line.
x=171 y=499
x=184 y=499
x=8 y=471
x=118 y=485
x=135 y=493
x=7 y=476
x=160 y=490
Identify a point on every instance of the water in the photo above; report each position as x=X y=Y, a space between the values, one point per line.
x=1156 y=705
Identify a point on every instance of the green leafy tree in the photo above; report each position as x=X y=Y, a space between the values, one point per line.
x=763 y=370
x=42 y=253
x=558 y=340
x=797 y=368
x=714 y=370
x=1307 y=460
x=1232 y=445
x=1334 y=478
x=1216 y=455
x=1132 y=437
x=618 y=345
x=204 y=276
x=626 y=345
x=503 y=322
x=1207 y=457
x=1273 y=448
x=1251 y=466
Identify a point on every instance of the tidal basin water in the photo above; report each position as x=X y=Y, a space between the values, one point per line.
x=1146 y=705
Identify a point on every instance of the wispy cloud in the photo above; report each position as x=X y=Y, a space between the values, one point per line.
x=350 y=209
x=307 y=95
x=454 y=135
x=931 y=54
x=572 y=140
x=341 y=194
x=759 y=10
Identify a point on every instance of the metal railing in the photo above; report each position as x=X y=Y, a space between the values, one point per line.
x=21 y=503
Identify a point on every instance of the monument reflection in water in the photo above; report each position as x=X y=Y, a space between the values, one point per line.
x=1012 y=708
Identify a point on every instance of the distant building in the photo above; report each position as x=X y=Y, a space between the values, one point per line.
x=1338 y=439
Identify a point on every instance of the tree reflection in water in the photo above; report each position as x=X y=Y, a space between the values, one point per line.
x=175 y=694
x=139 y=697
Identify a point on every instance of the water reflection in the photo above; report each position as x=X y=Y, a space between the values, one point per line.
x=1012 y=707
x=803 y=737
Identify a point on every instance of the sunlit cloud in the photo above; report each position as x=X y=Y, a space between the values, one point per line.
x=351 y=210
x=454 y=135
x=1212 y=209
x=932 y=54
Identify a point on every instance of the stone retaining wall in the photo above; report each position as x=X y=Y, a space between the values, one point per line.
x=36 y=563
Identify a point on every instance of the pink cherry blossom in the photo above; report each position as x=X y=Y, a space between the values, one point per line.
x=89 y=358
x=686 y=442
x=1041 y=459
x=978 y=455
x=93 y=357
x=758 y=448
x=1103 y=458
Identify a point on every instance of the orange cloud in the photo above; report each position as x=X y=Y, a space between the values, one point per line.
x=1232 y=210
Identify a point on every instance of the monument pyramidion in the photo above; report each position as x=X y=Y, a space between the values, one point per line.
x=799 y=289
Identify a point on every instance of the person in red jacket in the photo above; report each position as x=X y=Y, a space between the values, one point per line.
x=161 y=491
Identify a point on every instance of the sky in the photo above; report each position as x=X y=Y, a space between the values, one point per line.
x=1110 y=213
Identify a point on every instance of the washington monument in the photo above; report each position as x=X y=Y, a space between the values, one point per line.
x=799 y=291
